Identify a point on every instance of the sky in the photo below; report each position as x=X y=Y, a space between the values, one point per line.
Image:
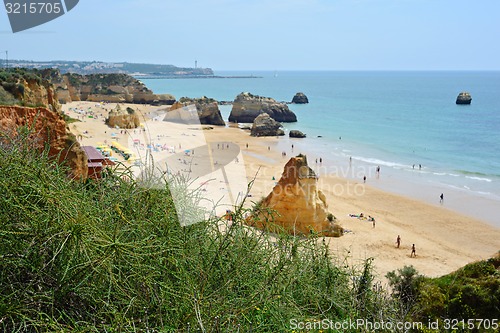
x=270 y=34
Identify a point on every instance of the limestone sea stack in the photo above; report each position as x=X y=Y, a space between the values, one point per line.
x=300 y=98
x=120 y=118
x=246 y=107
x=296 y=134
x=295 y=204
x=264 y=125
x=464 y=98
x=207 y=111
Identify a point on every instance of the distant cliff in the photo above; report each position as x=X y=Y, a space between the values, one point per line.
x=113 y=88
x=27 y=88
x=100 y=67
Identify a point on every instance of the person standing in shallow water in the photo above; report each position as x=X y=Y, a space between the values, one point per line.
x=441 y=198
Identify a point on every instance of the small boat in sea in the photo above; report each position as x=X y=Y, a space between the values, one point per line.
x=464 y=98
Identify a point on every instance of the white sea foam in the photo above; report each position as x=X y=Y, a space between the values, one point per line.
x=377 y=161
x=480 y=179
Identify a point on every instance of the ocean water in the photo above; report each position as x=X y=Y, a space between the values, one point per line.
x=396 y=120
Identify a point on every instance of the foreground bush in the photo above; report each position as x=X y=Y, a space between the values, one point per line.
x=110 y=256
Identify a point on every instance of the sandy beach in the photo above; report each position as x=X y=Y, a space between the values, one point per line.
x=444 y=240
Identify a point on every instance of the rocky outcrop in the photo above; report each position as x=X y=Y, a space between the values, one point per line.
x=264 y=125
x=246 y=107
x=300 y=98
x=295 y=204
x=296 y=134
x=464 y=98
x=112 y=88
x=29 y=88
x=46 y=127
x=126 y=119
x=184 y=114
x=207 y=111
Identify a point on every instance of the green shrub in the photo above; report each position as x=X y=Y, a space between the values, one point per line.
x=405 y=284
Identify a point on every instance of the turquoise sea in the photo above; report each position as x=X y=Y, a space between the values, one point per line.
x=395 y=120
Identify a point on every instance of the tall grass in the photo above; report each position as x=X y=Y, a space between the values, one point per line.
x=111 y=256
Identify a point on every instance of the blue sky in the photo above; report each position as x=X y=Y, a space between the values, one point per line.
x=271 y=34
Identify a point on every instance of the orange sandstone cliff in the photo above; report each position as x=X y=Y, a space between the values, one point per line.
x=295 y=204
x=47 y=127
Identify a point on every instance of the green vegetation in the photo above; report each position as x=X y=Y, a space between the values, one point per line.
x=110 y=256
x=7 y=98
x=472 y=292
x=12 y=84
x=201 y=100
x=331 y=217
x=69 y=119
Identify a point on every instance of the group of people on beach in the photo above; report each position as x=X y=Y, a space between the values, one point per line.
x=413 y=249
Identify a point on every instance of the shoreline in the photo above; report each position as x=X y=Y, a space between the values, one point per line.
x=445 y=240
x=421 y=185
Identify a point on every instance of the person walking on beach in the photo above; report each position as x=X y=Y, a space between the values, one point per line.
x=398 y=241
x=441 y=198
x=413 y=252
x=364 y=179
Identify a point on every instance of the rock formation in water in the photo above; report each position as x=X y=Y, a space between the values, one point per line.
x=264 y=125
x=300 y=98
x=207 y=111
x=295 y=204
x=296 y=134
x=119 y=118
x=464 y=98
x=246 y=107
x=47 y=128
